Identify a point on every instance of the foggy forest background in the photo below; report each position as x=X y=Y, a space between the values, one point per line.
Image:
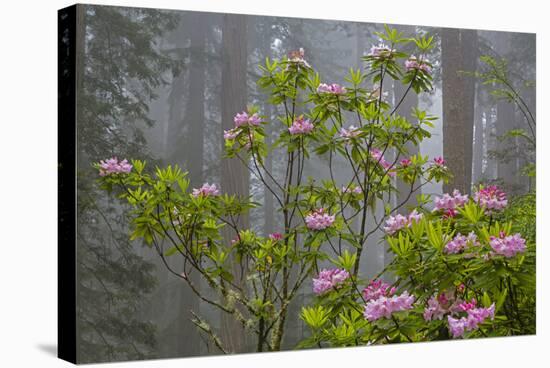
x=162 y=86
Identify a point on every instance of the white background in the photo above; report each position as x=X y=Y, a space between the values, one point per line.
x=28 y=181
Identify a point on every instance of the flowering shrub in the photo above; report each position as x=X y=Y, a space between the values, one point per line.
x=449 y=285
x=255 y=277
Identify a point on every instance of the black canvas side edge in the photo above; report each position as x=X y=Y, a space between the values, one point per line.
x=66 y=176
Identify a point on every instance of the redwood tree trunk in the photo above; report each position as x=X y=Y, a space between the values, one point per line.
x=234 y=176
x=458 y=54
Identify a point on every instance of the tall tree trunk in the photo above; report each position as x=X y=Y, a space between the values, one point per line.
x=478 y=145
x=194 y=157
x=458 y=53
x=235 y=177
x=506 y=167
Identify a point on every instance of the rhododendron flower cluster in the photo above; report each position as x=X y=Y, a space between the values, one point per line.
x=206 y=190
x=376 y=289
x=491 y=197
x=474 y=317
x=461 y=243
x=385 y=306
x=356 y=190
x=414 y=64
x=449 y=203
x=300 y=126
x=242 y=119
x=276 y=236
x=439 y=161
x=334 y=89
x=349 y=133
x=379 y=157
x=319 y=220
x=381 y=51
x=434 y=310
x=398 y=222
x=508 y=246
x=405 y=162
x=329 y=279
x=113 y=166
x=442 y=304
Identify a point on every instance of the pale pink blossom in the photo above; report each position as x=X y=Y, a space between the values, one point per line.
x=319 y=220
x=381 y=51
x=243 y=118
x=377 y=155
x=450 y=202
x=412 y=63
x=491 y=197
x=377 y=289
x=442 y=304
x=300 y=126
x=398 y=222
x=334 y=89
x=508 y=246
x=354 y=189
x=206 y=190
x=385 y=306
x=113 y=166
x=474 y=317
x=329 y=279
x=461 y=243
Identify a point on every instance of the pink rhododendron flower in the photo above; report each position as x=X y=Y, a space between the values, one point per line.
x=385 y=306
x=329 y=279
x=243 y=119
x=450 y=202
x=381 y=51
x=113 y=166
x=461 y=243
x=349 y=133
x=356 y=189
x=334 y=89
x=439 y=306
x=206 y=190
x=300 y=126
x=319 y=220
x=439 y=161
x=474 y=317
x=491 y=197
x=276 y=236
x=398 y=222
x=434 y=310
x=508 y=246
x=413 y=63
x=414 y=216
x=395 y=223
x=376 y=154
x=377 y=289
x=405 y=162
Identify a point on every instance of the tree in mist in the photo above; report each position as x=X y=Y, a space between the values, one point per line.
x=458 y=54
x=234 y=177
x=118 y=68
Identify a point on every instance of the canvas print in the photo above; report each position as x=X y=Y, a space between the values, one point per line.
x=236 y=183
